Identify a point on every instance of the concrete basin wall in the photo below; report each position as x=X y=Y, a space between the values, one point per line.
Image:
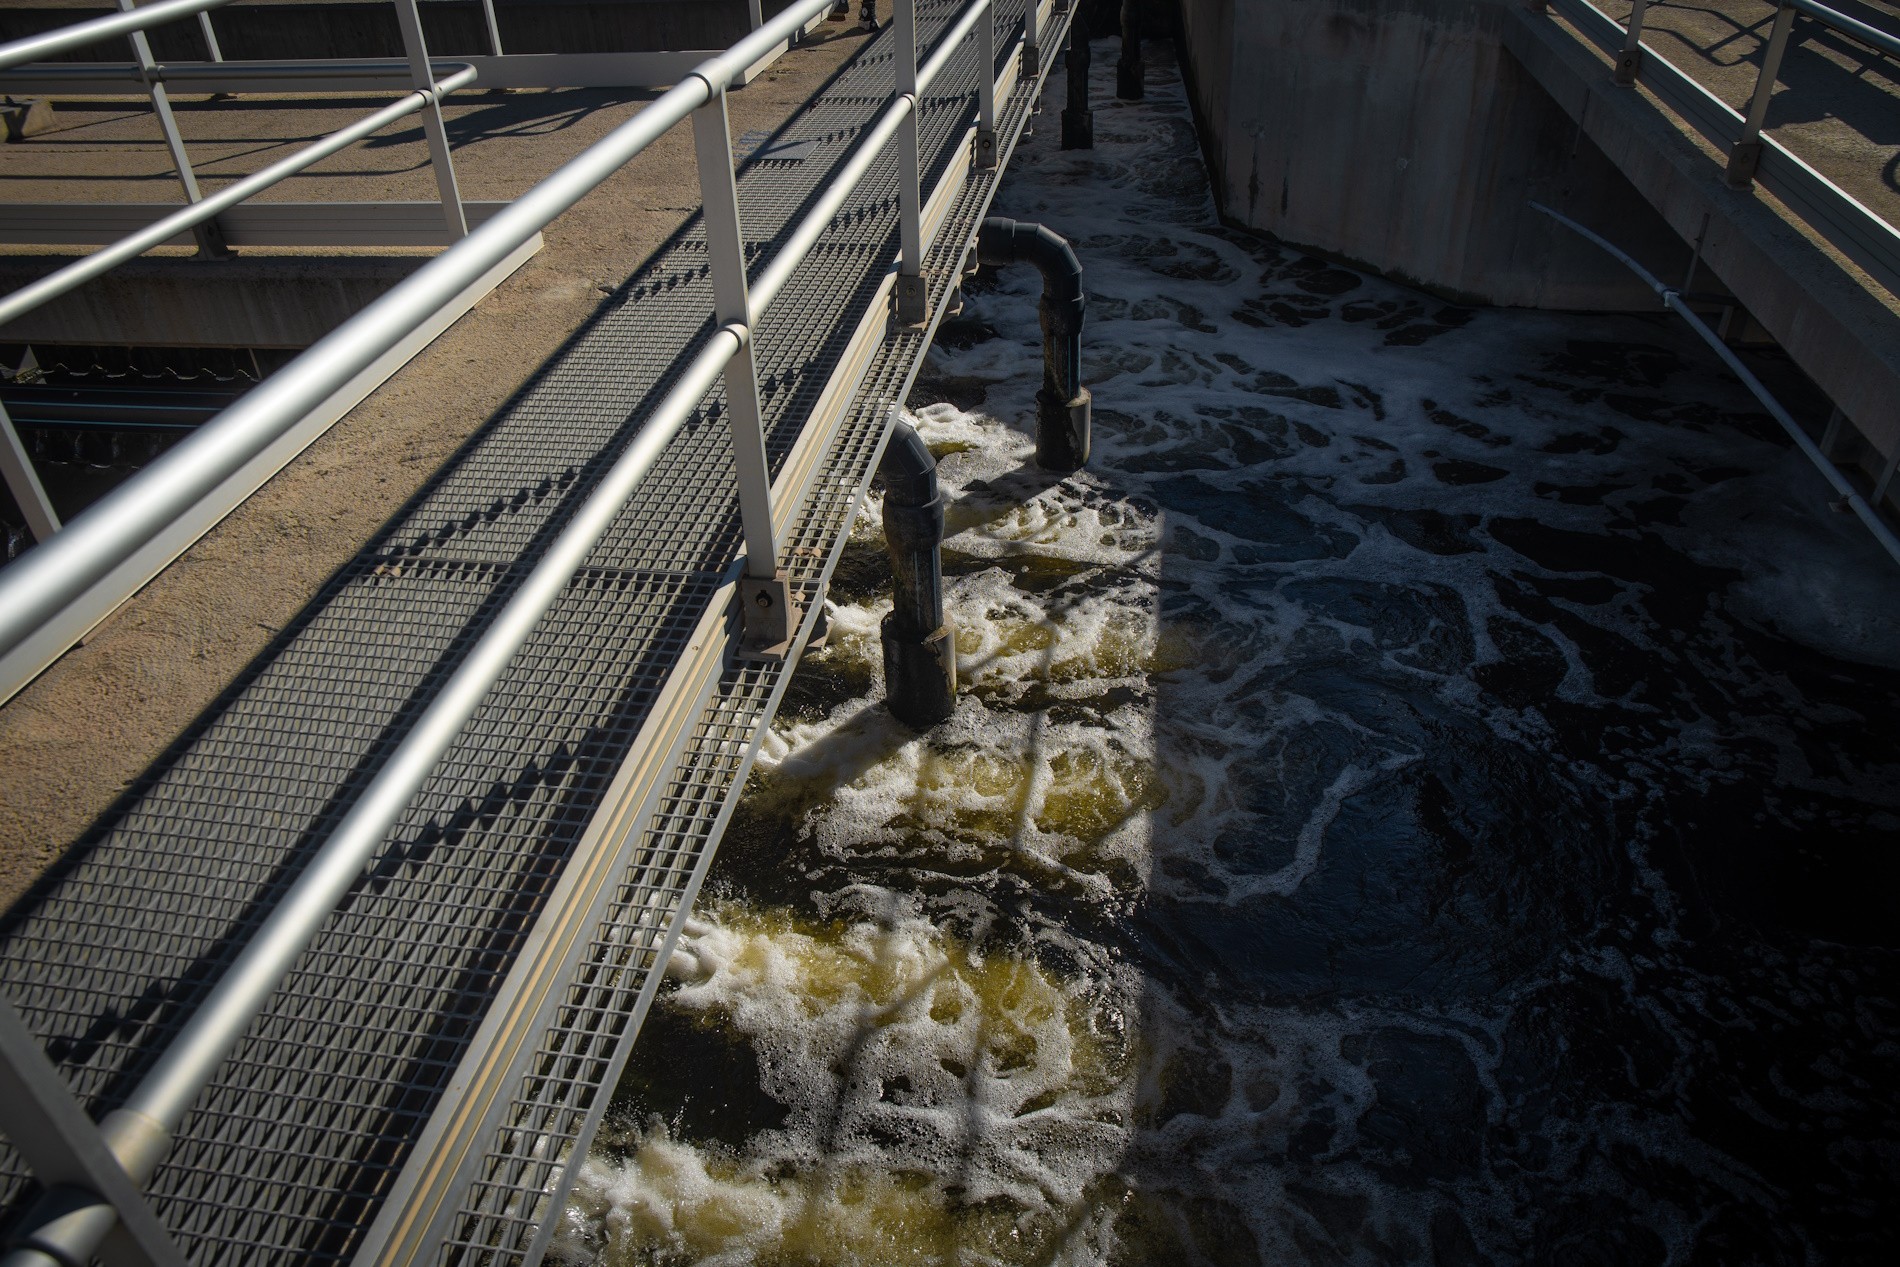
x=1401 y=135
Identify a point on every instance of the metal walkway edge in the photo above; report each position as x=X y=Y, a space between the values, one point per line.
x=451 y=1040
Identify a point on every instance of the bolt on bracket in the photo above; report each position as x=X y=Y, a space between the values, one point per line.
x=910 y=301
x=768 y=616
x=985 y=158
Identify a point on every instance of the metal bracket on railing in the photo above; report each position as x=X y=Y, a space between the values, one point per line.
x=1629 y=62
x=1744 y=157
x=769 y=615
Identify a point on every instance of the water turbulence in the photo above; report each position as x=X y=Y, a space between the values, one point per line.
x=1427 y=792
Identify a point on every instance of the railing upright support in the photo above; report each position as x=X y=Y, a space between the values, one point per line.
x=211 y=37
x=764 y=595
x=420 y=76
x=1629 y=62
x=986 y=91
x=494 y=27
x=912 y=294
x=1745 y=156
x=16 y=465
x=210 y=240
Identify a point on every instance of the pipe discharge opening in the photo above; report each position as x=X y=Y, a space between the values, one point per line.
x=920 y=648
x=1063 y=405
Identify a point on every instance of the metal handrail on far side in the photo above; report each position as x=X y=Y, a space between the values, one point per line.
x=64 y=1227
x=199 y=214
x=1839 y=218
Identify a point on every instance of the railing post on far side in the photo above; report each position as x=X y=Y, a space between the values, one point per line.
x=1629 y=62
x=494 y=27
x=912 y=294
x=422 y=77
x=1745 y=155
x=210 y=240
x=211 y=37
x=986 y=90
x=764 y=595
x=16 y=466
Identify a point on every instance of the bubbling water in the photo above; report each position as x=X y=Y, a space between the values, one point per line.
x=1425 y=791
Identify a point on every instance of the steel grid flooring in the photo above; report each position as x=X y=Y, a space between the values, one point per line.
x=291 y=1152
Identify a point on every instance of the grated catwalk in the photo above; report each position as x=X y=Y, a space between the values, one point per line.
x=291 y=1151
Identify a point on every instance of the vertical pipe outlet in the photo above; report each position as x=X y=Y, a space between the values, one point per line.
x=1063 y=405
x=1078 y=121
x=1128 y=72
x=920 y=648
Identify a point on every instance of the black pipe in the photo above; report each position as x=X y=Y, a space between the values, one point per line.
x=1078 y=121
x=920 y=649
x=1128 y=85
x=1063 y=405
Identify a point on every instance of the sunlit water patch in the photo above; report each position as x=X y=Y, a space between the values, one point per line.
x=1427 y=792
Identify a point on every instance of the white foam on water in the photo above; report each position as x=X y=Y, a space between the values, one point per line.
x=945 y=1105
x=1304 y=496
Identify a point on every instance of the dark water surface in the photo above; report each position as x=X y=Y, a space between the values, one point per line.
x=1428 y=793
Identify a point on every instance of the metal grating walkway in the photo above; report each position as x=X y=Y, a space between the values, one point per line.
x=513 y=927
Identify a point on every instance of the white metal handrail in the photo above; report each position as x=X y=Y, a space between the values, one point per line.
x=36 y=587
x=199 y=214
x=60 y=281
x=1839 y=218
x=65 y=39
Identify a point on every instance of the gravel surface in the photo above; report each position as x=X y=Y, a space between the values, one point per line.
x=78 y=736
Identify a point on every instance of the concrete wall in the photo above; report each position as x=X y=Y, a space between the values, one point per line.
x=367 y=28
x=246 y=302
x=1401 y=135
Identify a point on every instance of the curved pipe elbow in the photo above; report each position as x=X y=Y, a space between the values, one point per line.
x=908 y=469
x=1005 y=241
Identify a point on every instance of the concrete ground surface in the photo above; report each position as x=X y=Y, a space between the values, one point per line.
x=79 y=735
x=1838 y=103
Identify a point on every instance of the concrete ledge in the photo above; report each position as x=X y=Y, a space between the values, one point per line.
x=1831 y=318
x=274 y=302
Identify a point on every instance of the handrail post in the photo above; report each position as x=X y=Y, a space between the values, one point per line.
x=23 y=481
x=986 y=89
x=754 y=12
x=1745 y=155
x=210 y=240
x=494 y=27
x=912 y=293
x=421 y=77
x=1629 y=62
x=765 y=597
x=211 y=37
